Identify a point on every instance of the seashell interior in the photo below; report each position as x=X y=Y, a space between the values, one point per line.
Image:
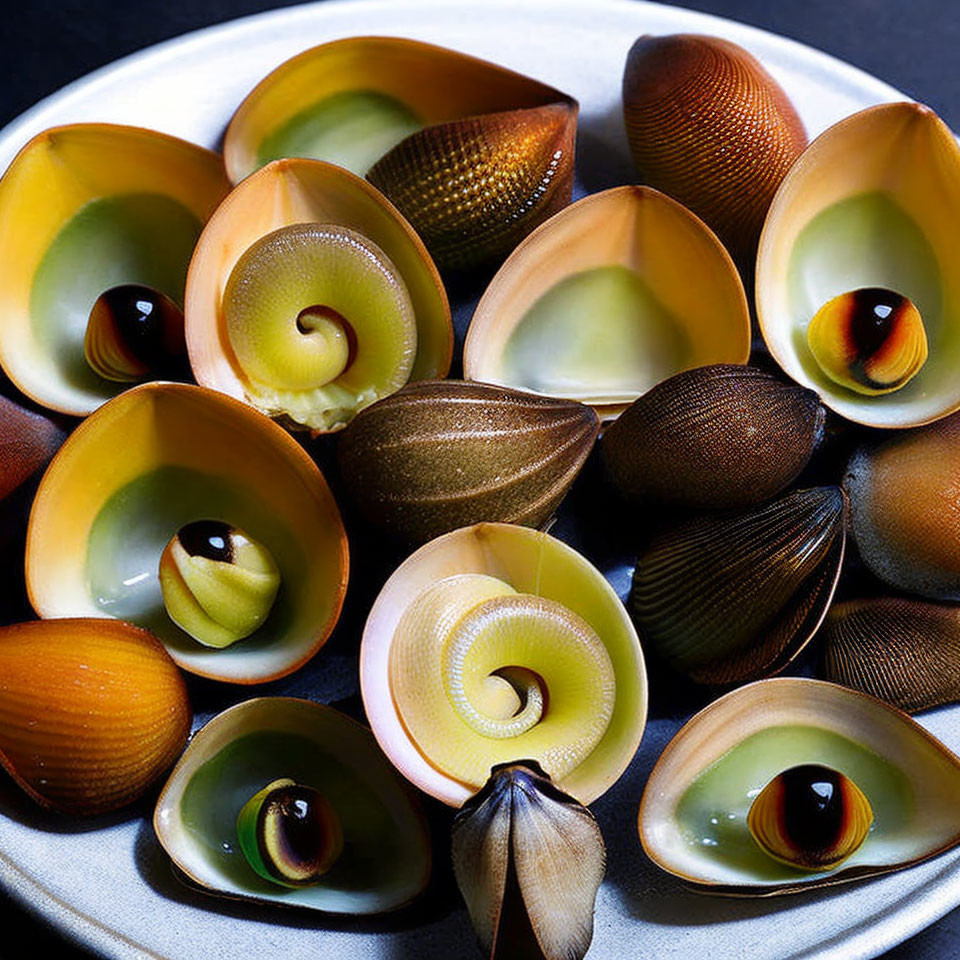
x=284 y=194
x=872 y=202
x=352 y=100
x=629 y=261
x=105 y=511
x=506 y=559
x=693 y=816
x=385 y=861
x=84 y=208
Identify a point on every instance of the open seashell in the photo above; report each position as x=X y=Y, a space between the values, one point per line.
x=710 y=127
x=612 y=295
x=736 y=596
x=898 y=650
x=474 y=155
x=92 y=712
x=105 y=512
x=442 y=454
x=528 y=860
x=310 y=297
x=713 y=437
x=85 y=208
x=473 y=636
x=693 y=815
x=27 y=441
x=870 y=204
x=903 y=514
x=380 y=857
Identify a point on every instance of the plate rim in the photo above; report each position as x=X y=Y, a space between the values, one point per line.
x=939 y=894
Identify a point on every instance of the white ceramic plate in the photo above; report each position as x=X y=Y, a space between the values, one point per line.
x=109 y=885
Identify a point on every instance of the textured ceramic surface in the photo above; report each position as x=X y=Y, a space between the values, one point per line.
x=109 y=885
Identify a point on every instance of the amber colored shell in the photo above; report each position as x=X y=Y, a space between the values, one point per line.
x=91 y=712
x=899 y=650
x=709 y=126
x=903 y=508
x=27 y=441
x=443 y=454
x=733 y=597
x=474 y=188
x=712 y=437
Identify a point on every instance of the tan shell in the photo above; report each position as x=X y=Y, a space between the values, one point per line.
x=442 y=454
x=872 y=202
x=27 y=441
x=710 y=127
x=910 y=779
x=701 y=310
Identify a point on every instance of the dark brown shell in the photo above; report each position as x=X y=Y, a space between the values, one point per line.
x=732 y=597
x=442 y=454
x=27 y=441
x=713 y=437
x=709 y=126
x=903 y=651
x=474 y=188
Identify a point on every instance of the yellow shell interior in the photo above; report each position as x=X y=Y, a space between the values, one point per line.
x=607 y=298
x=84 y=208
x=287 y=193
x=873 y=202
x=350 y=101
x=105 y=511
x=466 y=632
x=693 y=816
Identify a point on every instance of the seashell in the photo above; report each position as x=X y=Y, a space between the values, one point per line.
x=713 y=437
x=711 y=128
x=134 y=333
x=902 y=651
x=871 y=203
x=666 y=291
x=310 y=297
x=92 y=712
x=105 y=511
x=379 y=851
x=810 y=817
x=870 y=340
x=903 y=513
x=473 y=636
x=693 y=819
x=528 y=860
x=442 y=454
x=736 y=596
x=473 y=155
x=27 y=441
x=85 y=208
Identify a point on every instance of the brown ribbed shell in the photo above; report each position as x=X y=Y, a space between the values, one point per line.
x=474 y=188
x=905 y=508
x=442 y=454
x=733 y=597
x=903 y=651
x=27 y=441
x=713 y=437
x=709 y=126
x=92 y=711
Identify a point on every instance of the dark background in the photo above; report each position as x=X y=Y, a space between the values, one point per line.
x=912 y=46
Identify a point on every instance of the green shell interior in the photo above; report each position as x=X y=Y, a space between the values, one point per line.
x=136 y=522
x=352 y=129
x=378 y=850
x=142 y=238
x=712 y=812
x=869 y=241
x=596 y=334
